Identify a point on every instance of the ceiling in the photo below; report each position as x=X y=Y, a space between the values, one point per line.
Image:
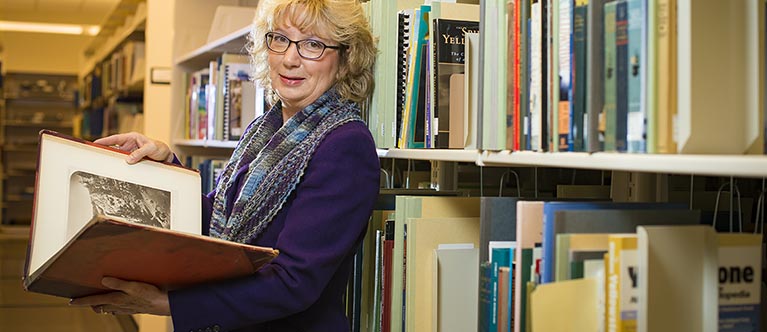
x=57 y=11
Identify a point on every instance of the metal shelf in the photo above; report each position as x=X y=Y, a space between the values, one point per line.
x=206 y=143
x=751 y=166
x=232 y=43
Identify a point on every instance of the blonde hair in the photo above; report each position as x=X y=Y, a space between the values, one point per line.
x=341 y=21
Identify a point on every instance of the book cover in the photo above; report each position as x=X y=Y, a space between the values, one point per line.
x=116 y=247
x=569 y=242
x=712 y=78
x=424 y=235
x=572 y=302
x=450 y=56
x=471 y=126
x=680 y=260
x=498 y=222
x=529 y=234
x=457 y=109
x=740 y=275
x=155 y=206
x=456 y=304
x=419 y=207
x=622 y=283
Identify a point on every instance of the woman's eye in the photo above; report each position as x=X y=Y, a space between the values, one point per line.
x=281 y=39
x=314 y=45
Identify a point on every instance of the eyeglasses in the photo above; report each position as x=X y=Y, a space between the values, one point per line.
x=310 y=49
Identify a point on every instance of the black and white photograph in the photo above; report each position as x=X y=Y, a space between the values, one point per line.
x=92 y=194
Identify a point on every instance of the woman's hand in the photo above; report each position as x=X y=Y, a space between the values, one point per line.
x=139 y=147
x=130 y=298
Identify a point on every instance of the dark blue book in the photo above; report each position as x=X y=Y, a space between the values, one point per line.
x=621 y=75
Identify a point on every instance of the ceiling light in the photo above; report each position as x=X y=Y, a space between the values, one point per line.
x=71 y=29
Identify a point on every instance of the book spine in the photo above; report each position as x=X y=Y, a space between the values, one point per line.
x=595 y=64
x=226 y=129
x=545 y=70
x=536 y=78
x=485 y=298
x=621 y=75
x=622 y=283
x=579 y=77
x=637 y=116
x=607 y=121
x=511 y=73
x=665 y=75
x=565 y=16
x=524 y=75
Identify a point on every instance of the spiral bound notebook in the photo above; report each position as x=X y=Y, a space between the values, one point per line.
x=403 y=43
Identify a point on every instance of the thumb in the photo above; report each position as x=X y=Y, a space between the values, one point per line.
x=114 y=283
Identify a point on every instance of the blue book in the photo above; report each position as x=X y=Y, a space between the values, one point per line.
x=549 y=234
x=621 y=75
x=636 y=117
x=579 y=77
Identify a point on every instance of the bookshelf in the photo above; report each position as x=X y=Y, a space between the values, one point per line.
x=193 y=52
x=704 y=165
x=749 y=166
x=32 y=102
x=112 y=77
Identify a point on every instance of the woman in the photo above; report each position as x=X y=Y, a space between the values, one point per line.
x=303 y=179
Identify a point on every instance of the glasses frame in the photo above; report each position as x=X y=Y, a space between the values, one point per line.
x=271 y=35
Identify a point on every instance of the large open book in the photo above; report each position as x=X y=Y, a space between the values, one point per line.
x=97 y=216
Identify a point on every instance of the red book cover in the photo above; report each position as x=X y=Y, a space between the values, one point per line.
x=386 y=304
x=109 y=246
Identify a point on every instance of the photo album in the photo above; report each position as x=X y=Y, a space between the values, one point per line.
x=96 y=216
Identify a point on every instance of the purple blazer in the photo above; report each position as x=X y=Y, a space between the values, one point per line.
x=317 y=233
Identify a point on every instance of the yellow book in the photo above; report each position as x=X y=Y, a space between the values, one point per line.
x=622 y=284
x=424 y=235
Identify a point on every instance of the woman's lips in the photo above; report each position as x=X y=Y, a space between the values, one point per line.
x=288 y=80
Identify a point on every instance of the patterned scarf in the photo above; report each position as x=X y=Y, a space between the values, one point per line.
x=277 y=156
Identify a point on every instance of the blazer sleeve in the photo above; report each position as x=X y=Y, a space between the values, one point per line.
x=326 y=219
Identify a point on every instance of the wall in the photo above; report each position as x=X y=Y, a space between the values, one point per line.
x=159 y=55
x=41 y=53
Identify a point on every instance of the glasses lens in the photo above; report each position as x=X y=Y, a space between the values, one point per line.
x=311 y=48
x=277 y=42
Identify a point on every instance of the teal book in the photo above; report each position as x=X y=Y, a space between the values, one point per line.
x=635 y=128
x=621 y=75
x=607 y=122
x=488 y=297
